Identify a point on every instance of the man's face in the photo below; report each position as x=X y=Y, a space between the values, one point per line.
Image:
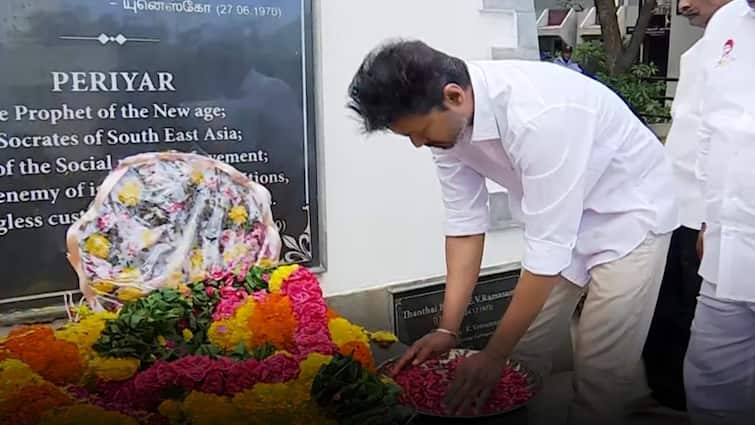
x=566 y=55
x=698 y=12
x=440 y=128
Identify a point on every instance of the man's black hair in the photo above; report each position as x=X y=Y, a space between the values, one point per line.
x=400 y=79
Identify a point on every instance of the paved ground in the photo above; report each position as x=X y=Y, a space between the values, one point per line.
x=557 y=392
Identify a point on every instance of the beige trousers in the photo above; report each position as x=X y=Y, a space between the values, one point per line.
x=607 y=338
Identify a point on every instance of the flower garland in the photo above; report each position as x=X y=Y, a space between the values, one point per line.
x=85 y=414
x=26 y=405
x=227 y=350
x=310 y=310
x=56 y=360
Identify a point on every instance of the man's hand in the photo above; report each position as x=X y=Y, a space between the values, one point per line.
x=475 y=378
x=430 y=345
x=699 y=246
x=477 y=375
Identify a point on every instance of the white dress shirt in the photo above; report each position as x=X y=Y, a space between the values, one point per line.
x=726 y=162
x=585 y=176
x=682 y=141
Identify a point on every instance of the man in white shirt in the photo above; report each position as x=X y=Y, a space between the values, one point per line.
x=591 y=184
x=669 y=333
x=719 y=369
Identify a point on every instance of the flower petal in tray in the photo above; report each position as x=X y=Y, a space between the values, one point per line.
x=425 y=385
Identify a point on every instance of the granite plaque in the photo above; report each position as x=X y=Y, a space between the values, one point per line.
x=418 y=311
x=85 y=83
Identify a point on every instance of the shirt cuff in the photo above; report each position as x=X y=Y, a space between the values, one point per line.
x=545 y=258
x=467 y=227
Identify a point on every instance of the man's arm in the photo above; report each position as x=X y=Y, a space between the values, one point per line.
x=463 y=260
x=465 y=197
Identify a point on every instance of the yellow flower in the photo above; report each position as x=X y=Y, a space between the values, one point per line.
x=238 y=215
x=197 y=176
x=209 y=409
x=235 y=252
x=187 y=334
x=110 y=369
x=342 y=332
x=14 y=375
x=98 y=245
x=149 y=237
x=175 y=279
x=197 y=259
x=130 y=193
x=86 y=332
x=265 y=263
x=85 y=414
x=162 y=341
x=227 y=334
x=128 y=293
x=130 y=275
x=171 y=409
x=383 y=337
x=103 y=287
x=279 y=276
x=310 y=367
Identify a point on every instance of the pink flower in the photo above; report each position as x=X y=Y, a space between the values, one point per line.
x=191 y=371
x=104 y=222
x=310 y=310
x=175 y=207
x=217 y=273
x=214 y=382
x=242 y=376
x=210 y=291
x=278 y=368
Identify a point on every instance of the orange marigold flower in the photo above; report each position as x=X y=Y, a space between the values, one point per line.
x=56 y=360
x=360 y=352
x=273 y=322
x=26 y=406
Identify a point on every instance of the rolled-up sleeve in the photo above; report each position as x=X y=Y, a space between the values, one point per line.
x=552 y=154
x=465 y=196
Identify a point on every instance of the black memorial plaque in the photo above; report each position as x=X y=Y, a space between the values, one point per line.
x=418 y=311
x=85 y=83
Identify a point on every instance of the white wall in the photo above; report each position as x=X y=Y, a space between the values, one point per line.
x=381 y=197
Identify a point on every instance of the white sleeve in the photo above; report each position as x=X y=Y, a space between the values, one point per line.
x=464 y=194
x=703 y=131
x=553 y=162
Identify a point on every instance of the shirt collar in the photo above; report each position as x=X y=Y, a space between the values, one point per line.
x=485 y=125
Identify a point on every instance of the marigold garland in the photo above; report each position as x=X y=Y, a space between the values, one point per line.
x=273 y=322
x=276 y=330
x=209 y=409
x=360 y=352
x=30 y=402
x=14 y=375
x=109 y=369
x=80 y=414
x=343 y=332
x=279 y=276
x=56 y=360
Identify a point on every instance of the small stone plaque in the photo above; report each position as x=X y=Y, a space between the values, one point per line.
x=418 y=311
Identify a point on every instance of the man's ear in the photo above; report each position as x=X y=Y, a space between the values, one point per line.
x=453 y=95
